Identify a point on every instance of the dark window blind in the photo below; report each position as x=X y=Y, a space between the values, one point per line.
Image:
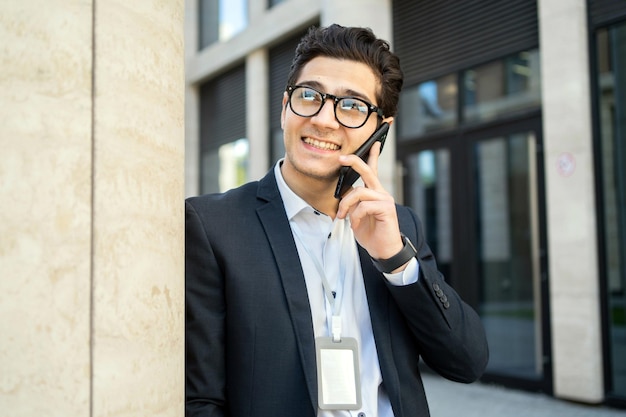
x=280 y=57
x=223 y=109
x=436 y=37
x=604 y=12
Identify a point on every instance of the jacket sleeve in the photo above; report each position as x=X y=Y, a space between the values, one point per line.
x=448 y=331
x=205 y=392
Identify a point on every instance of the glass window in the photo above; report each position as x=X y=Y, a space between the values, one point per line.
x=501 y=87
x=223 y=144
x=430 y=196
x=225 y=167
x=611 y=82
x=429 y=106
x=489 y=91
x=220 y=20
x=272 y=3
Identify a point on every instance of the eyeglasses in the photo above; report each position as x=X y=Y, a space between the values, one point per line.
x=351 y=112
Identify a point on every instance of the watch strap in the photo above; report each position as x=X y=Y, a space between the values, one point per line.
x=389 y=265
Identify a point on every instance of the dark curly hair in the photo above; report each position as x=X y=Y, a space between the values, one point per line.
x=356 y=44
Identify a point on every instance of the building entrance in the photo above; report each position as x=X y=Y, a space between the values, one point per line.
x=479 y=195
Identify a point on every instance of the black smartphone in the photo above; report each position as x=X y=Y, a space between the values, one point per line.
x=347 y=176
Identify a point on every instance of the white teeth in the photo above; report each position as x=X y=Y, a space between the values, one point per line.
x=321 y=145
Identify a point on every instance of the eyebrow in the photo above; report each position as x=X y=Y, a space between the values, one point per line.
x=346 y=93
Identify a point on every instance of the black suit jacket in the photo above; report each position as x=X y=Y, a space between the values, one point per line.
x=249 y=333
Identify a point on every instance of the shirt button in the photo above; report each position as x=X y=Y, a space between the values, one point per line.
x=361 y=415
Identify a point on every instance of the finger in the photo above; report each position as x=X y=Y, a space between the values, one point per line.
x=374 y=154
x=367 y=171
x=357 y=197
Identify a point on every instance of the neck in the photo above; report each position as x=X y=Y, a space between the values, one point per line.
x=318 y=193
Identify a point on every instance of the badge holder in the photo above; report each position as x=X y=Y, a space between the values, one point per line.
x=338 y=375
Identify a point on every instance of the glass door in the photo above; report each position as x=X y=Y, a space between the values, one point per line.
x=507 y=252
x=430 y=196
x=611 y=105
x=479 y=196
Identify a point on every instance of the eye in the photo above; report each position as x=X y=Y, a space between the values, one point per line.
x=353 y=105
x=308 y=94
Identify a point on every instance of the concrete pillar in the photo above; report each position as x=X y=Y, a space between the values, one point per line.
x=91 y=226
x=376 y=15
x=257 y=113
x=572 y=248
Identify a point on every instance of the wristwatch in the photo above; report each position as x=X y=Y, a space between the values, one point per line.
x=396 y=261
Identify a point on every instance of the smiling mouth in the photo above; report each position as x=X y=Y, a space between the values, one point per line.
x=327 y=146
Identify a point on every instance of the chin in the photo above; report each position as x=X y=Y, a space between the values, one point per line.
x=322 y=174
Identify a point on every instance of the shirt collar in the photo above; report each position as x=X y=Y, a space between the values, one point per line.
x=293 y=203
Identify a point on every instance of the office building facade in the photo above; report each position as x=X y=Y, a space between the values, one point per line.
x=510 y=143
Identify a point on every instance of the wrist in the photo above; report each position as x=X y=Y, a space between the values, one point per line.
x=397 y=261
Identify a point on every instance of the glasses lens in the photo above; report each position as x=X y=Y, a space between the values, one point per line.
x=305 y=101
x=352 y=112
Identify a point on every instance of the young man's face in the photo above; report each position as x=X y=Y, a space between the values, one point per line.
x=313 y=144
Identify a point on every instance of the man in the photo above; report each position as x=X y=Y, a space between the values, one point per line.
x=303 y=304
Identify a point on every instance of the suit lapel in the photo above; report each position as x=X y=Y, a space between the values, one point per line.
x=274 y=220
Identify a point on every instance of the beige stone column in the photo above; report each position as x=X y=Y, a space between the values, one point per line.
x=572 y=248
x=91 y=225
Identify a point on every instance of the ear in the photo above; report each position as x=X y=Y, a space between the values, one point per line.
x=389 y=120
x=282 y=113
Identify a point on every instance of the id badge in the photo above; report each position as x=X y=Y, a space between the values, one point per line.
x=338 y=376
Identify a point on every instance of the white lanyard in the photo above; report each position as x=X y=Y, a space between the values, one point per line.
x=334 y=298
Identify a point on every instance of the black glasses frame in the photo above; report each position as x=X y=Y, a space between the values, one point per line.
x=325 y=96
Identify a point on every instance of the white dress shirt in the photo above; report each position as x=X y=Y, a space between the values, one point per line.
x=332 y=242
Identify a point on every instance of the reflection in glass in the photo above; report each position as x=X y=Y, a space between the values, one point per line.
x=612 y=105
x=429 y=178
x=272 y=3
x=225 y=167
x=502 y=86
x=507 y=253
x=220 y=20
x=429 y=106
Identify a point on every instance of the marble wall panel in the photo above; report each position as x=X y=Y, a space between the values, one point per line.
x=45 y=200
x=138 y=209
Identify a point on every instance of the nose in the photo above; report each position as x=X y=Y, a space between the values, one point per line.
x=326 y=115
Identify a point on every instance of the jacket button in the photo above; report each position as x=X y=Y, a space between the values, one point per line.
x=436 y=287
